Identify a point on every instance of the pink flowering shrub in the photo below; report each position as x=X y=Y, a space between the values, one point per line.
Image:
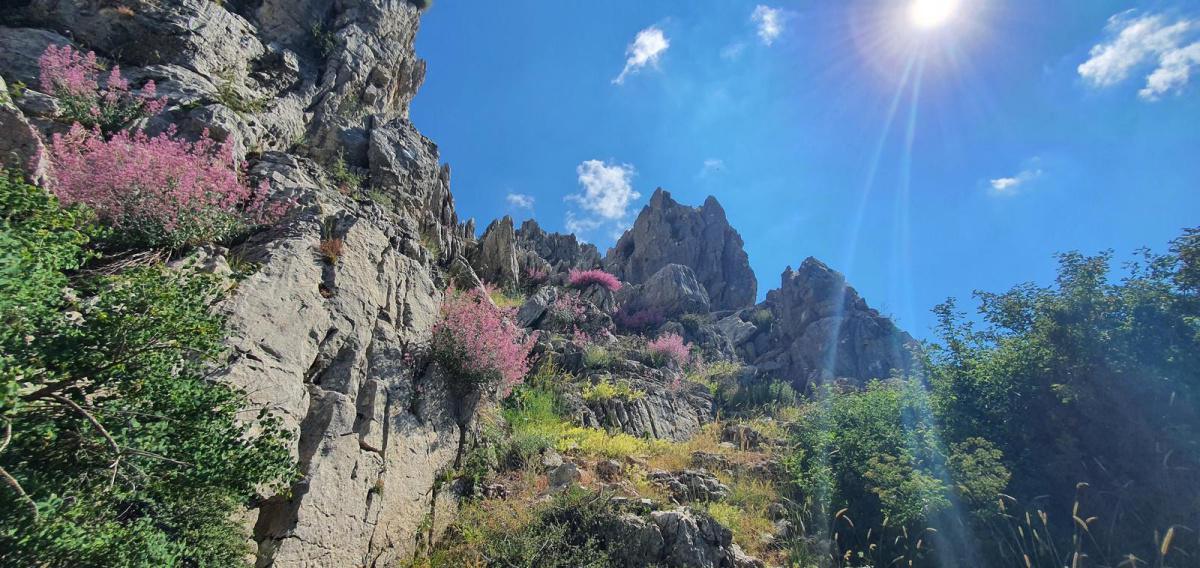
x=638 y=320
x=73 y=78
x=478 y=343
x=668 y=348
x=161 y=190
x=585 y=278
x=535 y=276
x=568 y=309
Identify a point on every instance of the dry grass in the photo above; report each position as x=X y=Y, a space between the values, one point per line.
x=331 y=249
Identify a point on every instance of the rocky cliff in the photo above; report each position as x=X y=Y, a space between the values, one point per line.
x=307 y=89
x=667 y=232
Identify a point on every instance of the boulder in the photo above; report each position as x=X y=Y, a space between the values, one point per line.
x=690 y=485
x=672 y=291
x=535 y=307
x=667 y=232
x=693 y=539
x=564 y=476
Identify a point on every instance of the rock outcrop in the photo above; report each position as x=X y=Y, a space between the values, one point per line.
x=560 y=252
x=495 y=256
x=816 y=328
x=672 y=291
x=700 y=238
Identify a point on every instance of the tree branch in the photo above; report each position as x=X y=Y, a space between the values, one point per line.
x=100 y=428
x=16 y=486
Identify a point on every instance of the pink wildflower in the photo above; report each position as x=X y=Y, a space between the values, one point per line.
x=585 y=278
x=480 y=343
x=74 y=79
x=536 y=275
x=669 y=348
x=66 y=71
x=161 y=189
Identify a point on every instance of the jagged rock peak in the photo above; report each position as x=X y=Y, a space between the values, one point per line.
x=823 y=330
x=495 y=255
x=561 y=252
x=700 y=238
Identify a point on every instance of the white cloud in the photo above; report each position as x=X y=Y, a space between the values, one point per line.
x=579 y=226
x=1136 y=41
x=712 y=166
x=607 y=188
x=646 y=48
x=1010 y=185
x=607 y=194
x=769 y=21
x=733 y=51
x=519 y=201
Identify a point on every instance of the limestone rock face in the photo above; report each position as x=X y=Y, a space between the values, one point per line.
x=695 y=540
x=668 y=410
x=691 y=485
x=329 y=347
x=21 y=148
x=820 y=329
x=495 y=255
x=701 y=239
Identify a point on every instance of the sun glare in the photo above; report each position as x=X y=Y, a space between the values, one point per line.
x=929 y=14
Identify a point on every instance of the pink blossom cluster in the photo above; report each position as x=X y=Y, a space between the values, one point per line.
x=74 y=78
x=638 y=320
x=479 y=342
x=568 y=308
x=585 y=278
x=159 y=190
x=536 y=275
x=669 y=347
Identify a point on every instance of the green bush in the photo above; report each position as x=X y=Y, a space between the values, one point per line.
x=876 y=458
x=607 y=390
x=1092 y=379
x=122 y=452
x=566 y=532
x=597 y=357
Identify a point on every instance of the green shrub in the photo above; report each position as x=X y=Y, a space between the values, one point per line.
x=597 y=357
x=129 y=453
x=534 y=413
x=693 y=322
x=569 y=531
x=607 y=390
x=761 y=318
x=876 y=458
x=229 y=95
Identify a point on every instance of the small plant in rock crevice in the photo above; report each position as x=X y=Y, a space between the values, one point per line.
x=330 y=249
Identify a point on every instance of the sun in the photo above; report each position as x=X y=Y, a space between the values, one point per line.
x=930 y=14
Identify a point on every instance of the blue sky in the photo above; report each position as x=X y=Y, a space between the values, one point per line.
x=923 y=162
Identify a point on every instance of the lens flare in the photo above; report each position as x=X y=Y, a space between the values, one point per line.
x=929 y=14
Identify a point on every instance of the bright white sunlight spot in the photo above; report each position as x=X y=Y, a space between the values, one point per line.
x=929 y=14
